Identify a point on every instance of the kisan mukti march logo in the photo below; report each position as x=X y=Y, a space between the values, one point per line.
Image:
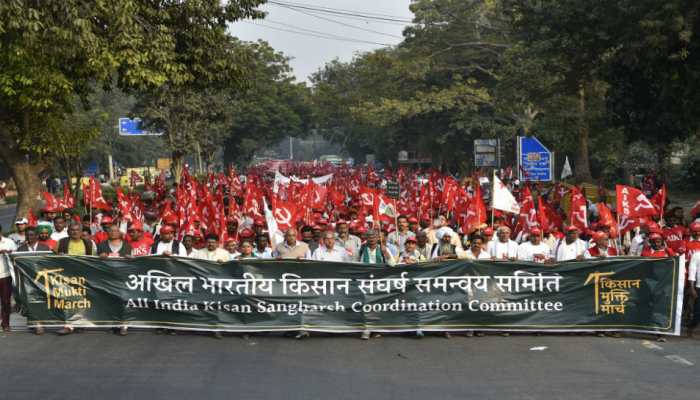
x=63 y=292
x=611 y=295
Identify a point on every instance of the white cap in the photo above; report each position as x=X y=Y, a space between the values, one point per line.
x=21 y=221
x=445 y=230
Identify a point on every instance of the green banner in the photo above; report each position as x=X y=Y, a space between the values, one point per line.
x=617 y=294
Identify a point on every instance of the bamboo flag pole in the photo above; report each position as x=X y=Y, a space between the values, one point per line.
x=493 y=192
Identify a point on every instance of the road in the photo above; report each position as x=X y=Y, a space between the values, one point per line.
x=144 y=365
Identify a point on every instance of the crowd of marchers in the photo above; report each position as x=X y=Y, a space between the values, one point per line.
x=345 y=219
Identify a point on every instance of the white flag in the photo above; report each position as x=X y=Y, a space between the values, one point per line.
x=502 y=198
x=566 y=172
x=276 y=236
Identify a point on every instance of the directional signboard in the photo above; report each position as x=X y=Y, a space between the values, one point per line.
x=535 y=161
x=132 y=127
x=393 y=190
x=487 y=152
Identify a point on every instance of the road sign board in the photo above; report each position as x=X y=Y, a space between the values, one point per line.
x=91 y=169
x=393 y=190
x=535 y=161
x=486 y=152
x=132 y=127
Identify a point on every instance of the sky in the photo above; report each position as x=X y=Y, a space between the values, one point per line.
x=299 y=30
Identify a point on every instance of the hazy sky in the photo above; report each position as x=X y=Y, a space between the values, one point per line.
x=308 y=51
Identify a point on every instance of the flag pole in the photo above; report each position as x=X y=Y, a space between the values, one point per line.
x=618 y=242
x=493 y=192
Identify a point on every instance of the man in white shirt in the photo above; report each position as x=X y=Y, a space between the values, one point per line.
x=503 y=248
x=7 y=246
x=329 y=251
x=212 y=251
x=399 y=236
x=693 y=285
x=18 y=237
x=534 y=250
x=571 y=247
x=59 y=228
x=349 y=242
x=166 y=245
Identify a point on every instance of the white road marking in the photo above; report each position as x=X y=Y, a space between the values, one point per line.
x=538 y=348
x=680 y=360
x=651 y=346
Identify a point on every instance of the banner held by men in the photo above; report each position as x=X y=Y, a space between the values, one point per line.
x=622 y=294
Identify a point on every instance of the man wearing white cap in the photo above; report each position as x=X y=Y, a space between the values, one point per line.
x=534 y=250
x=444 y=249
x=503 y=248
x=18 y=237
x=571 y=247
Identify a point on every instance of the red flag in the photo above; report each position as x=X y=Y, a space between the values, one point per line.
x=286 y=215
x=632 y=203
x=124 y=205
x=449 y=194
x=548 y=217
x=31 y=218
x=659 y=201
x=527 y=218
x=252 y=203
x=52 y=203
x=606 y=218
x=476 y=211
x=578 y=208
x=68 y=199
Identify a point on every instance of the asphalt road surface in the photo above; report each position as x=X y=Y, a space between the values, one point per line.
x=144 y=365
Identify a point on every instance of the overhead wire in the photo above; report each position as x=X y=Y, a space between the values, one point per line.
x=337 y=9
x=339 y=12
x=344 y=24
x=317 y=34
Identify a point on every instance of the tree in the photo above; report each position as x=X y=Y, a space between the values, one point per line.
x=271 y=107
x=53 y=52
x=431 y=95
x=643 y=53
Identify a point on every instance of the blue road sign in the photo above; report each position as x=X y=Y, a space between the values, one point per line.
x=91 y=169
x=535 y=161
x=132 y=127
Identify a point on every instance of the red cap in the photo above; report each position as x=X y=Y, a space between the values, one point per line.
x=136 y=226
x=488 y=231
x=166 y=229
x=230 y=219
x=695 y=227
x=170 y=219
x=411 y=239
x=599 y=235
x=247 y=233
x=315 y=227
x=106 y=220
x=341 y=221
x=323 y=221
x=413 y=220
x=535 y=231
x=655 y=235
x=259 y=222
x=571 y=228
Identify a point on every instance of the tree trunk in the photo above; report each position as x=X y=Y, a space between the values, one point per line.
x=26 y=177
x=178 y=164
x=582 y=169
